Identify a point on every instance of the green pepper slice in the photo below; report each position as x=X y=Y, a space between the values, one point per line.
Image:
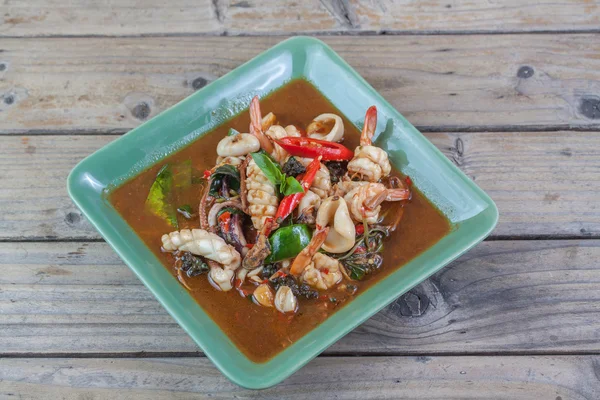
x=288 y=241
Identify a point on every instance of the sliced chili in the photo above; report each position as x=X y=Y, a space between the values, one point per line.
x=289 y=203
x=312 y=148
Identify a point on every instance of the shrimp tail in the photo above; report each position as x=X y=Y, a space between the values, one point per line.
x=256 y=126
x=368 y=131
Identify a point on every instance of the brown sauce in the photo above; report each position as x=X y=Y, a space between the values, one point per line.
x=261 y=332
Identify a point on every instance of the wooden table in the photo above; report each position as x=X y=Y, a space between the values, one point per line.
x=508 y=90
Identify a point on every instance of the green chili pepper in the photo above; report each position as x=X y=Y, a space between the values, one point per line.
x=288 y=241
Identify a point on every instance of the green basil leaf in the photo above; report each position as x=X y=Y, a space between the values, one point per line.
x=227 y=170
x=269 y=168
x=159 y=200
x=182 y=174
x=291 y=186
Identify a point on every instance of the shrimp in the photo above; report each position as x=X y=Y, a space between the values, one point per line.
x=323 y=272
x=322 y=183
x=370 y=162
x=261 y=195
x=328 y=127
x=256 y=126
x=210 y=246
x=277 y=132
x=267 y=132
x=317 y=269
x=308 y=207
x=334 y=212
x=365 y=198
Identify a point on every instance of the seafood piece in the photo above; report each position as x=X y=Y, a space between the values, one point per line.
x=261 y=195
x=261 y=249
x=322 y=183
x=231 y=160
x=314 y=268
x=267 y=121
x=285 y=301
x=267 y=132
x=293 y=131
x=370 y=163
x=238 y=145
x=277 y=132
x=328 y=127
x=304 y=258
x=334 y=212
x=210 y=246
x=307 y=208
x=364 y=200
x=323 y=272
x=256 y=126
x=263 y=295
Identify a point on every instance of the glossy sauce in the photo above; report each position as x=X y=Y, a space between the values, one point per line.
x=262 y=332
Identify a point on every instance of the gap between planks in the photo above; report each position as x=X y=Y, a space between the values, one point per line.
x=420 y=128
x=316 y=33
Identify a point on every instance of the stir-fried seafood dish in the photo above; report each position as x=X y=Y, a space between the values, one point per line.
x=291 y=219
x=315 y=233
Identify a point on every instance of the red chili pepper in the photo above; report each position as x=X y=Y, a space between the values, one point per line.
x=289 y=203
x=360 y=229
x=408 y=180
x=312 y=148
x=325 y=271
x=224 y=221
x=207 y=173
x=249 y=245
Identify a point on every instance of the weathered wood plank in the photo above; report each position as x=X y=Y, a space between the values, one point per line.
x=502 y=297
x=458 y=82
x=275 y=17
x=122 y=17
x=431 y=378
x=545 y=184
x=505 y=15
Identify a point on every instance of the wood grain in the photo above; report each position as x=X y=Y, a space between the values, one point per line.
x=122 y=17
x=430 y=378
x=273 y=17
x=544 y=183
x=438 y=82
x=510 y=297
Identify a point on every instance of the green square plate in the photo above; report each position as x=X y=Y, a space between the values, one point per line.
x=472 y=213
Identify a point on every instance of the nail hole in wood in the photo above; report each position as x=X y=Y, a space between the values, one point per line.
x=199 y=83
x=141 y=111
x=72 y=218
x=590 y=108
x=525 y=72
x=9 y=99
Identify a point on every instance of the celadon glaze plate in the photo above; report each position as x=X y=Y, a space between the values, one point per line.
x=472 y=213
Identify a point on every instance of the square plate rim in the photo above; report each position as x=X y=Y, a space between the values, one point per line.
x=250 y=381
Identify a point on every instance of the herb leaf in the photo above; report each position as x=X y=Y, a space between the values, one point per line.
x=287 y=185
x=269 y=168
x=291 y=186
x=158 y=201
x=225 y=174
